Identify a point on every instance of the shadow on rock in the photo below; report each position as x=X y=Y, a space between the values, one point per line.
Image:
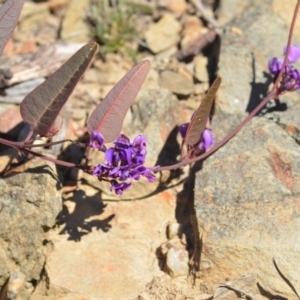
x=170 y=151
x=76 y=210
x=180 y=255
x=259 y=90
x=268 y=294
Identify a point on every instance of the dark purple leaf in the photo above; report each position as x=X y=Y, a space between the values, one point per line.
x=9 y=16
x=41 y=107
x=199 y=119
x=108 y=116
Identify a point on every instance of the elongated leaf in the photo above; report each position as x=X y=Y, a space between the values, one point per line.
x=108 y=116
x=199 y=119
x=9 y=16
x=41 y=107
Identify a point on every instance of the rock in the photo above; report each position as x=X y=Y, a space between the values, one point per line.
x=74 y=26
x=192 y=30
x=176 y=83
x=156 y=115
x=244 y=58
x=246 y=202
x=117 y=245
x=26 y=67
x=201 y=89
x=56 y=5
x=31 y=17
x=285 y=11
x=109 y=72
x=236 y=73
x=29 y=203
x=16 y=284
x=174 y=230
x=177 y=262
x=244 y=284
x=177 y=7
x=165 y=287
x=36 y=26
x=8 y=156
x=164 y=57
x=289 y=119
x=16 y=93
x=200 y=70
x=152 y=79
x=10 y=122
x=177 y=257
x=230 y=10
x=164 y=34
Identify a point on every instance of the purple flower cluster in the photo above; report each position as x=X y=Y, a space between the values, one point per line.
x=125 y=161
x=291 y=77
x=207 y=138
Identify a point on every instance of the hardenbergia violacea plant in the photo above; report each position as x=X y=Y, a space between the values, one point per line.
x=124 y=159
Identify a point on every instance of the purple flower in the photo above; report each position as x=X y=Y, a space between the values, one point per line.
x=139 y=143
x=149 y=175
x=102 y=170
x=125 y=161
x=122 y=142
x=97 y=141
x=290 y=80
x=183 y=129
x=116 y=156
x=207 y=140
x=119 y=188
x=294 y=53
x=275 y=65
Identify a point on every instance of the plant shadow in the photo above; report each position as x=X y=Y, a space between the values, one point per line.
x=259 y=90
x=76 y=212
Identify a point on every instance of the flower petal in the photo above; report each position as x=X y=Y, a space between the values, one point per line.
x=183 y=129
x=119 y=188
x=207 y=139
x=275 y=65
x=96 y=140
x=294 y=53
x=139 y=143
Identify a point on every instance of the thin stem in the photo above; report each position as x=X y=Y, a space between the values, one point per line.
x=56 y=161
x=11 y=143
x=54 y=143
x=23 y=144
x=87 y=155
x=21 y=147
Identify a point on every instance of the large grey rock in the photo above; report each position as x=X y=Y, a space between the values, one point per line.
x=247 y=206
x=244 y=57
x=29 y=203
x=176 y=83
x=229 y=10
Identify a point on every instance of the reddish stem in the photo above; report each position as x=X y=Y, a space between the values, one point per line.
x=53 y=160
x=21 y=147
